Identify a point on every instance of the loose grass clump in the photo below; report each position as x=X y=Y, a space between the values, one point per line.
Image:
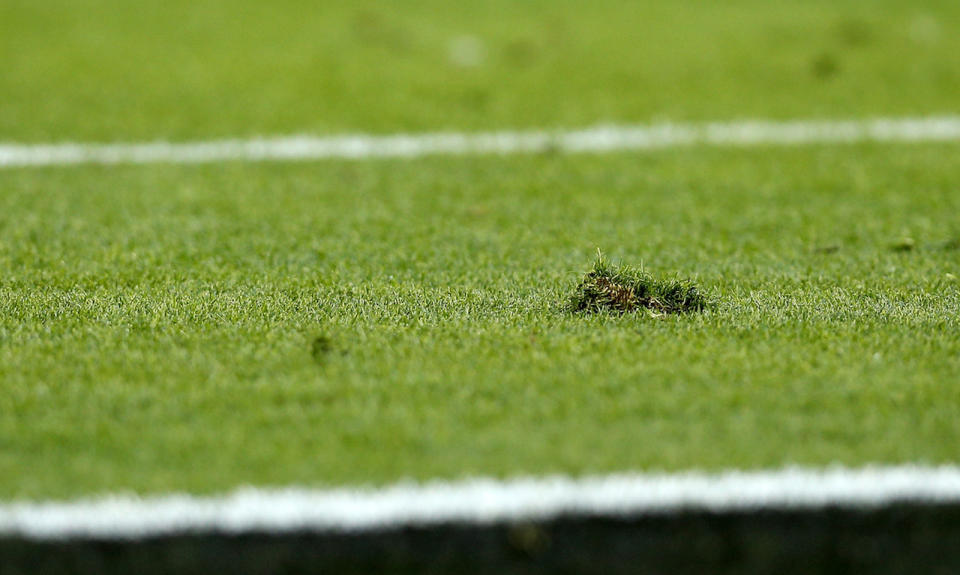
x=624 y=289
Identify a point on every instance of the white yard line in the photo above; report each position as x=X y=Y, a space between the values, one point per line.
x=477 y=501
x=591 y=140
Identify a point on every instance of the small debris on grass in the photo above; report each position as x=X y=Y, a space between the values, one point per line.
x=951 y=244
x=321 y=346
x=854 y=33
x=624 y=289
x=904 y=244
x=827 y=249
x=825 y=66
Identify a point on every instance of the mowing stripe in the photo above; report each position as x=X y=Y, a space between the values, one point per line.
x=591 y=140
x=478 y=502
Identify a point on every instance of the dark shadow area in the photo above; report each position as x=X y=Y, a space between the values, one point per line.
x=903 y=538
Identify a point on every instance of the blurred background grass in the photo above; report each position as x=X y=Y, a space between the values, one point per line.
x=116 y=70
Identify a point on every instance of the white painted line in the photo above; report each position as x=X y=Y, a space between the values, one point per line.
x=591 y=140
x=480 y=501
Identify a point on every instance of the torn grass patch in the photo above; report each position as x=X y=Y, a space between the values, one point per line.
x=625 y=289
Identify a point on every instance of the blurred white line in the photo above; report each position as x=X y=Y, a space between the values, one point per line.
x=591 y=140
x=477 y=501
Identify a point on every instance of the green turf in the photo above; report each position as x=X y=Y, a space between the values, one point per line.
x=195 y=328
x=120 y=70
x=159 y=324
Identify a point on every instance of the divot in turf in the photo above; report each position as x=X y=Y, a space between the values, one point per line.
x=624 y=289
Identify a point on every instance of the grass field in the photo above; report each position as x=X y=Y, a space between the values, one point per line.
x=194 y=328
x=114 y=70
